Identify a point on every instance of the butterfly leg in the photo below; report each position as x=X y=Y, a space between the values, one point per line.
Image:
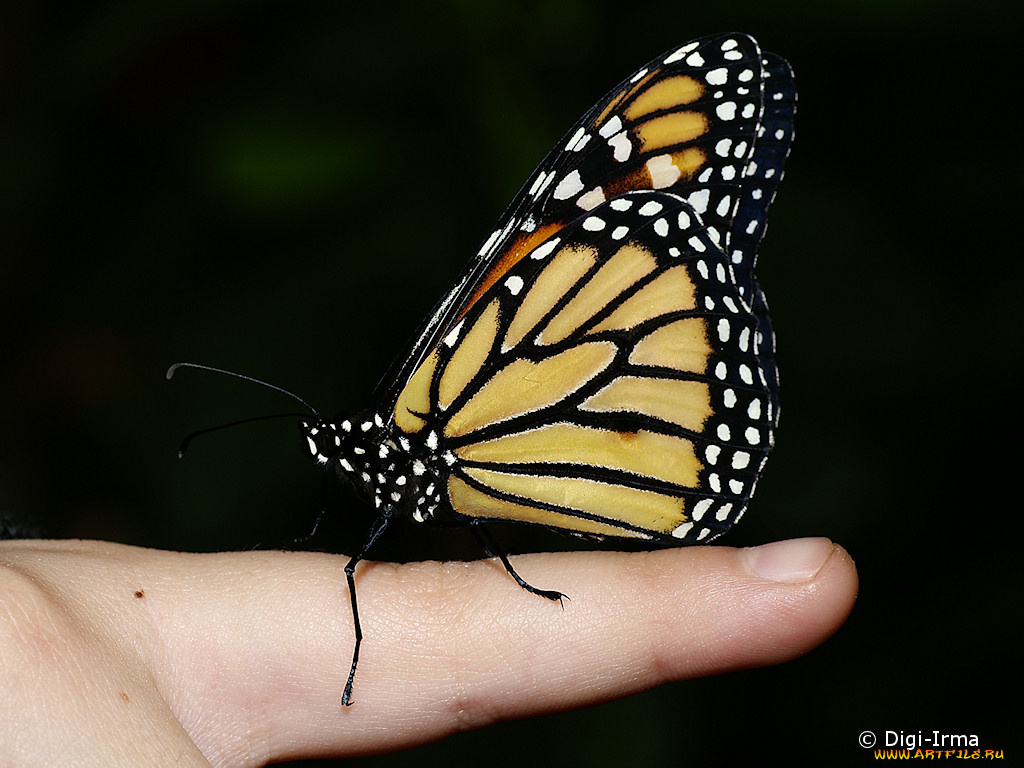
x=297 y=541
x=350 y=569
x=320 y=515
x=490 y=546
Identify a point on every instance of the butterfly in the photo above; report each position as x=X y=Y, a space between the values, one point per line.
x=604 y=366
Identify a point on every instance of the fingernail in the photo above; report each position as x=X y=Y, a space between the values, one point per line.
x=789 y=561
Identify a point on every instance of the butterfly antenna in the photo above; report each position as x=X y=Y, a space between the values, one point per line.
x=193 y=435
x=171 y=371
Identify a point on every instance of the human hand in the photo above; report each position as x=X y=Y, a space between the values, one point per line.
x=121 y=656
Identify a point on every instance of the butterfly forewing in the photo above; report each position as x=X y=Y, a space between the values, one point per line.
x=686 y=123
x=763 y=172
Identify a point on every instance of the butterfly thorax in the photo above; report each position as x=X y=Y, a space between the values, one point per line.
x=395 y=473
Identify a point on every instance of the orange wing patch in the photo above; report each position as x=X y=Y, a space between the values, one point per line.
x=517 y=249
x=664 y=94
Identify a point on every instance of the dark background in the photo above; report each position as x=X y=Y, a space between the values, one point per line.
x=285 y=188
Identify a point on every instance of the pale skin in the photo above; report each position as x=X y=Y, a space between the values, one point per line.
x=120 y=656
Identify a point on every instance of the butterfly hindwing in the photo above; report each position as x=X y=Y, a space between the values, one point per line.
x=609 y=385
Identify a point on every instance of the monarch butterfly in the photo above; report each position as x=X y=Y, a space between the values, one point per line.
x=604 y=365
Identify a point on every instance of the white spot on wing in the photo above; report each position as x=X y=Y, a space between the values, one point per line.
x=538 y=183
x=613 y=126
x=663 y=171
x=717 y=76
x=679 y=54
x=489 y=241
x=451 y=338
x=569 y=186
x=576 y=141
x=711 y=453
x=621 y=146
x=682 y=530
x=701 y=508
x=591 y=199
x=699 y=200
x=544 y=250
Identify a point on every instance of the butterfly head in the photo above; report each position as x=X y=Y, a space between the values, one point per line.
x=346 y=441
x=323 y=440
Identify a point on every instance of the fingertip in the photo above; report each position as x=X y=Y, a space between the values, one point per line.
x=809 y=587
x=789 y=561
